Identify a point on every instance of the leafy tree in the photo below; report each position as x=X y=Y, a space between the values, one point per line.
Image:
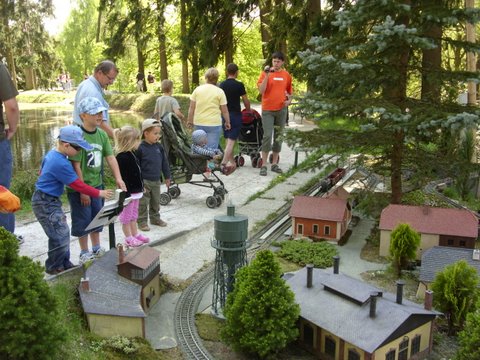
x=404 y=242
x=260 y=311
x=369 y=70
x=469 y=337
x=455 y=293
x=28 y=309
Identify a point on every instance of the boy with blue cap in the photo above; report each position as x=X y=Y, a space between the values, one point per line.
x=89 y=165
x=56 y=172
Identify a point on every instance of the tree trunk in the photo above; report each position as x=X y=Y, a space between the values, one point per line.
x=265 y=11
x=229 y=39
x=162 y=39
x=30 y=80
x=195 y=69
x=432 y=66
x=471 y=58
x=183 y=34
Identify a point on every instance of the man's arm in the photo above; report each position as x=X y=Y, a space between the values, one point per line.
x=13 y=116
x=246 y=101
x=262 y=86
x=191 y=112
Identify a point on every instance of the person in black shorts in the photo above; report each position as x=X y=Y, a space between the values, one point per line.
x=234 y=90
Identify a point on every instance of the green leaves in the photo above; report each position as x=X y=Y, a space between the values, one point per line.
x=404 y=242
x=304 y=252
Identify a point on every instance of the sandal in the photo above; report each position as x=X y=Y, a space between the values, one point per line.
x=277 y=169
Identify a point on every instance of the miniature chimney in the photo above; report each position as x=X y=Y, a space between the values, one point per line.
x=428 y=300
x=373 y=304
x=309 y=275
x=85 y=284
x=336 y=264
x=400 y=284
x=121 y=253
x=476 y=254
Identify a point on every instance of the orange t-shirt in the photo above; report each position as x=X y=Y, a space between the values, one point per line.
x=279 y=83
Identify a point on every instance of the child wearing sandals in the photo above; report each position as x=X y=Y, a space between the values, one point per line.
x=127 y=140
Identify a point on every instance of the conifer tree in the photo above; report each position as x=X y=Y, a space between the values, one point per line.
x=28 y=310
x=261 y=312
x=404 y=242
x=456 y=293
x=369 y=72
x=469 y=337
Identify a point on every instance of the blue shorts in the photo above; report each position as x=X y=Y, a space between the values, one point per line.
x=82 y=216
x=236 y=125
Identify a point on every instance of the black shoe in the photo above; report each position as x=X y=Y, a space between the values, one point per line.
x=20 y=239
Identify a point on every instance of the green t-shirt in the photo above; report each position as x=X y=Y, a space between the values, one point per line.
x=91 y=162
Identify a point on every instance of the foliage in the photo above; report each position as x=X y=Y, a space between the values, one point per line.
x=24 y=184
x=371 y=203
x=455 y=293
x=404 y=242
x=304 y=252
x=29 y=316
x=469 y=337
x=260 y=311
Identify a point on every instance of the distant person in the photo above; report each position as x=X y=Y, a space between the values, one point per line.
x=104 y=75
x=234 y=90
x=154 y=164
x=8 y=94
x=150 y=78
x=275 y=86
x=140 y=82
x=127 y=139
x=167 y=103
x=56 y=172
x=89 y=167
x=207 y=105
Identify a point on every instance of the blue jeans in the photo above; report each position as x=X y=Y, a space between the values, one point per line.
x=49 y=213
x=81 y=215
x=213 y=134
x=6 y=168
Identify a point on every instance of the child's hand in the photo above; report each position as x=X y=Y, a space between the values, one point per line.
x=107 y=194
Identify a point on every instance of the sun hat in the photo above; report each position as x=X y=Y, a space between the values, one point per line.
x=148 y=123
x=72 y=134
x=198 y=136
x=90 y=105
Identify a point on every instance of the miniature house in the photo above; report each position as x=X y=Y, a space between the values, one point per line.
x=119 y=289
x=435 y=259
x=436 y=226
x=320 y=218
x=345 y=318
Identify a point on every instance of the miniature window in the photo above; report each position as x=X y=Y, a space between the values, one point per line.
x=327 y=230
x=353 y=354
x=415 y=345
x=403 y=349
x=330 y=346
x=390 y=355
x=450 y=242
x=137 y=274
x=463 y=243
x=300 y=229
x=308 y=334
x=315 y=229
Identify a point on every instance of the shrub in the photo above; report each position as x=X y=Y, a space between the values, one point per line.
x=303 y=252
x=28 y=310
x=261 y=312
x=404 y=242
x=469 y=337
x=23 y=184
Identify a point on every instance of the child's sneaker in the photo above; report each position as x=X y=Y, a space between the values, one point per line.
x=99 y=252
x=133 y=242
x=86 y=256
x=144 y=239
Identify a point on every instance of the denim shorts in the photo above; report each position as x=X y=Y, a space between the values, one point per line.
x=82 y=216
x=49 y=213
x=236 y=125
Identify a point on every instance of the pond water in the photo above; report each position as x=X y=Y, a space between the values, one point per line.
x=38 y=131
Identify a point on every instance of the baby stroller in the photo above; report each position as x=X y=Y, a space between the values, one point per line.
x=183 y=163
x=250 y=138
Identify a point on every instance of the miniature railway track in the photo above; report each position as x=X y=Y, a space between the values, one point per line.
x=187 y=305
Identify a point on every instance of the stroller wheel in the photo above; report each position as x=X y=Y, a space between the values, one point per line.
x=220 y=191
x=211 y=202
x=259 y=163
x=165 y=198
x=219 y=200
x=174 y=192
x=254 y=161
x=241 y=161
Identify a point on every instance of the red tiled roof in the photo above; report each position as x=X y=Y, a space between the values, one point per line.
x=311 y=207
x=142 y=257
x=430 y=220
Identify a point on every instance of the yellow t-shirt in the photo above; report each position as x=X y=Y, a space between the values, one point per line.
x=208 y=99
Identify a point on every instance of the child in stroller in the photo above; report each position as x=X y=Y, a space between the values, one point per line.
x=199 y=146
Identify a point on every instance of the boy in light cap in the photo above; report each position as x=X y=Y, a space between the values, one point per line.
x=153 y=164
x=89 y=167
x=56 y=172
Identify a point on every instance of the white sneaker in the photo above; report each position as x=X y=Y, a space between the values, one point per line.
x=99 y=253
x=85 y=257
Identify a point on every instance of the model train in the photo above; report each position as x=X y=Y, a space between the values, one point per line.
x=331 y=179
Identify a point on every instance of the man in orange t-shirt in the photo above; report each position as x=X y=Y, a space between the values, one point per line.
x=275 y=86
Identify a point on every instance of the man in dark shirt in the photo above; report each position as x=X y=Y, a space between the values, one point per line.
x=8 y=94
x=234 y=90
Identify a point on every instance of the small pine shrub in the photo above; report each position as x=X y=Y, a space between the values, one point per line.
x=29 y=313
x=303 y=252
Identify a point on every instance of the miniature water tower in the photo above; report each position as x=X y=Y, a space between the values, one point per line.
x=230 y=241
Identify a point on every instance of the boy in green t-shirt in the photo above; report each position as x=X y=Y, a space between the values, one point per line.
x=89 y=167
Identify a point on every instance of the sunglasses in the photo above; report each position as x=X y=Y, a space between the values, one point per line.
x=76 y=147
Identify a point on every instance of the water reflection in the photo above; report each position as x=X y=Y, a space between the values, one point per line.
x=38 y=132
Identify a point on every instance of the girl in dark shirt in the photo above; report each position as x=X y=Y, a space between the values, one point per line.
x=127 y=140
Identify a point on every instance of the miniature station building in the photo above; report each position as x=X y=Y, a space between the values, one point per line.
x=345 y=318
x=436 y=226
x=435 y=259
x=320 y=218
x=119 y=289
